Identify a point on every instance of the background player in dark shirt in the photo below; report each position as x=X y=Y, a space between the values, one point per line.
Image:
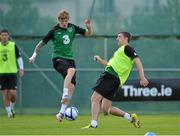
x=115 y=75
x=62 y=36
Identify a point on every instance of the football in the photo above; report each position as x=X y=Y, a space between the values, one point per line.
x=71 y=113
x=150 y=134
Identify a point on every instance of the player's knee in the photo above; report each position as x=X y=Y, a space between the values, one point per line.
x=13 y=93
x=95 y=99
x=105 y=108
x=71 y=71
x=13 y=97
x=5 y=93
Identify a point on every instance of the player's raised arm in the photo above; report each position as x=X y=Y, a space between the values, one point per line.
x=143 y=81
x=88 y=28
x=36 y=51
x=100 y=60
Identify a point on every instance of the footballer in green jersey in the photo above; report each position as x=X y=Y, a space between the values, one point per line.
x=62 y=36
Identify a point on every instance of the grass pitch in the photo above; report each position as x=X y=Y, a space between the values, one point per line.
x=108 y=125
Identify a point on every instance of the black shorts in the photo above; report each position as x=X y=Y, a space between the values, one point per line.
x=61 y=65
x=107 y=85
x=8 y=81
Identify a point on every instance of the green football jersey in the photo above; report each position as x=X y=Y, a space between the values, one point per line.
x=62 y=40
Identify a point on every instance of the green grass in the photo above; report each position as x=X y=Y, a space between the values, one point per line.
x=108 y=125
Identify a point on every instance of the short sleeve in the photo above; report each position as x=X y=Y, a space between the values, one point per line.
x=18 y=54
x=50 y=34
x=79 y=30
x=130 y=52
x=48 y=37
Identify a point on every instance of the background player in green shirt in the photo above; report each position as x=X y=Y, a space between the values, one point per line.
x=9 y=56
x=116 y=73
x=62 y=36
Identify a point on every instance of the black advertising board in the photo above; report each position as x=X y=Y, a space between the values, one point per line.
x=157 y=90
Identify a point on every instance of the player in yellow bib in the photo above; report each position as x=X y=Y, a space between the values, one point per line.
x=9 y=53
x=116 y=73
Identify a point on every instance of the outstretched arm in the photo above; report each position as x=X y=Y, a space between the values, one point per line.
x=36 y=51
x=143 y=81
x=88 y=28
x=100 y=60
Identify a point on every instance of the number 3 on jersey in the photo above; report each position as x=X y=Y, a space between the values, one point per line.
x=66 y=39
x=4 y=57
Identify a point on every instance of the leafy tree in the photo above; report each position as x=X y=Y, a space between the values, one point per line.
x=159 y=20
x=106 y=18
x=173 y=13
x=163 y=19
x=22 y=18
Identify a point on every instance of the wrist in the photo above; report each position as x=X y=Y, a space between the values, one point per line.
x=141 y=78
x=34 y=55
